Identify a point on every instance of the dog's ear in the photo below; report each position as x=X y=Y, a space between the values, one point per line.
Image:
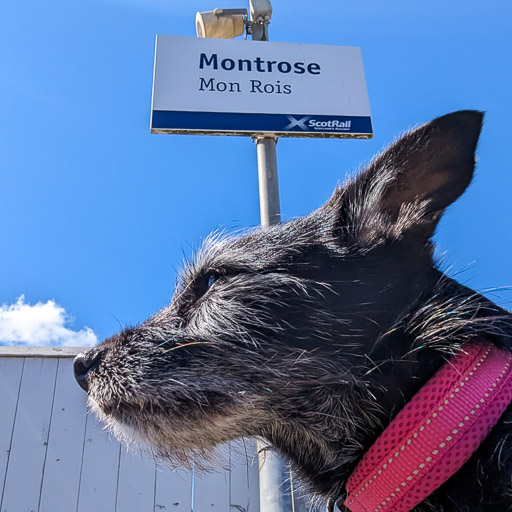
x=408 y=186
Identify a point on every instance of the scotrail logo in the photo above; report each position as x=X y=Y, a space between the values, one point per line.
x=308 y=123
x=300 y=123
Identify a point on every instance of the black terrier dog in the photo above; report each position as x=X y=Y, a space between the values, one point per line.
x=315 y=333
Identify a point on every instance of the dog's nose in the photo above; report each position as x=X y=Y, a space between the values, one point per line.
x=83 y=364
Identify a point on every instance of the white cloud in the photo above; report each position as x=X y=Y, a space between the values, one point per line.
x=41 y=324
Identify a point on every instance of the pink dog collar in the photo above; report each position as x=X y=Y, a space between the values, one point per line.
x=435 y=433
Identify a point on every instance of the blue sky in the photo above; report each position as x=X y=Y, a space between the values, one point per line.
x=96 y=213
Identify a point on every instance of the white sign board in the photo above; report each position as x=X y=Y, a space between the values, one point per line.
x=231 y=87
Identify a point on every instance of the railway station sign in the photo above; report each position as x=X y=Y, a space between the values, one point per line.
x=238 y=87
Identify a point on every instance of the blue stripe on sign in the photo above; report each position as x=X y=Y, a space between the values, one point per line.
x=241 y=122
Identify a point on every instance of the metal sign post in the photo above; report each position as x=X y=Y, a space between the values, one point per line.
x=274 y=475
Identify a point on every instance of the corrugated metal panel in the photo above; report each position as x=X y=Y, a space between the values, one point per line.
x=54 y=457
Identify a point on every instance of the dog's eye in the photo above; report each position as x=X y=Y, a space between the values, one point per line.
x=206 y=282
x=211 y=280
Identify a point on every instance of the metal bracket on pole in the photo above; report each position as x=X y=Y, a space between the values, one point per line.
x=259 y=30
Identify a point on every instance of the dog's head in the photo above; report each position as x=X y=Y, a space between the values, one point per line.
x=311 y=333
